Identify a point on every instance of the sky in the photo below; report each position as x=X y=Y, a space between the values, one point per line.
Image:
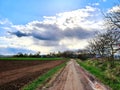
x=29 y=26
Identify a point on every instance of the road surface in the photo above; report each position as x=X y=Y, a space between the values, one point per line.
x=73 y=77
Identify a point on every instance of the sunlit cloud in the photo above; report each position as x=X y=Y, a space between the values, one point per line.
x=67 y=30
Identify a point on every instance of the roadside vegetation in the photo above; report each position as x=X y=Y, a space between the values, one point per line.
x=104 y=72
x=40 y=81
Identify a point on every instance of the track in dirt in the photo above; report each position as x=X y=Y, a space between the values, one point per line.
x=15 y=74
x=73 y=77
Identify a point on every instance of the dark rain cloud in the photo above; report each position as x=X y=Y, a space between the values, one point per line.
x=78 y=33
x=19 y=34
x=54 y=33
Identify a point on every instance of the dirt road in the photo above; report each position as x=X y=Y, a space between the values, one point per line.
x=73 y=77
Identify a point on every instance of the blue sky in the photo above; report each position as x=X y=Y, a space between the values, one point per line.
x=49 y=25
x=24 y=11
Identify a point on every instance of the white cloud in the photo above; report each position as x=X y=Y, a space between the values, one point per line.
x=73 y=43
x=5 y=22
x=114 y=9
x=68 y=30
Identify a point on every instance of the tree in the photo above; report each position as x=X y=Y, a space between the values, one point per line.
x=112 y=25
x=104 y=43
x=98 y=44
x=68 y=54
x=113 y=17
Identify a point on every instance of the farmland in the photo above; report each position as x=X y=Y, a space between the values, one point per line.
x=15 y=73
x=28 y=58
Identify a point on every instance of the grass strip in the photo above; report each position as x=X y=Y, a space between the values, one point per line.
x=100 y=75
x=43 y=79
x=96 y=71
x=27 y=58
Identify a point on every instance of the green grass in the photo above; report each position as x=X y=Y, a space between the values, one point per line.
x=28 y=58
x=101 y=75
x=94 y=70
x=44 y=78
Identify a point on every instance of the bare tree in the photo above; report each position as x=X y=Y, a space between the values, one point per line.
x=104 y=43
x=113 y=17
x=98 y=44
x=112 y=25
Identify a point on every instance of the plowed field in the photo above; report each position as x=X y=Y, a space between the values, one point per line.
x=15 y=74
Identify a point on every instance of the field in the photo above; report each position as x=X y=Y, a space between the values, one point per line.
x=27 y=58
x=15 y=73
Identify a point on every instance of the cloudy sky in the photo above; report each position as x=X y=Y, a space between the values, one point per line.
x=30 y=26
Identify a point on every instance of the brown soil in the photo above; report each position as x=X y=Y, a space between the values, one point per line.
x=15 y=74
x=73 y=77
x=6 y=65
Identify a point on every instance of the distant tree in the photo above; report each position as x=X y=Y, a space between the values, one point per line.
x=37 y=54
x=19 y=55
x=68 y=54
